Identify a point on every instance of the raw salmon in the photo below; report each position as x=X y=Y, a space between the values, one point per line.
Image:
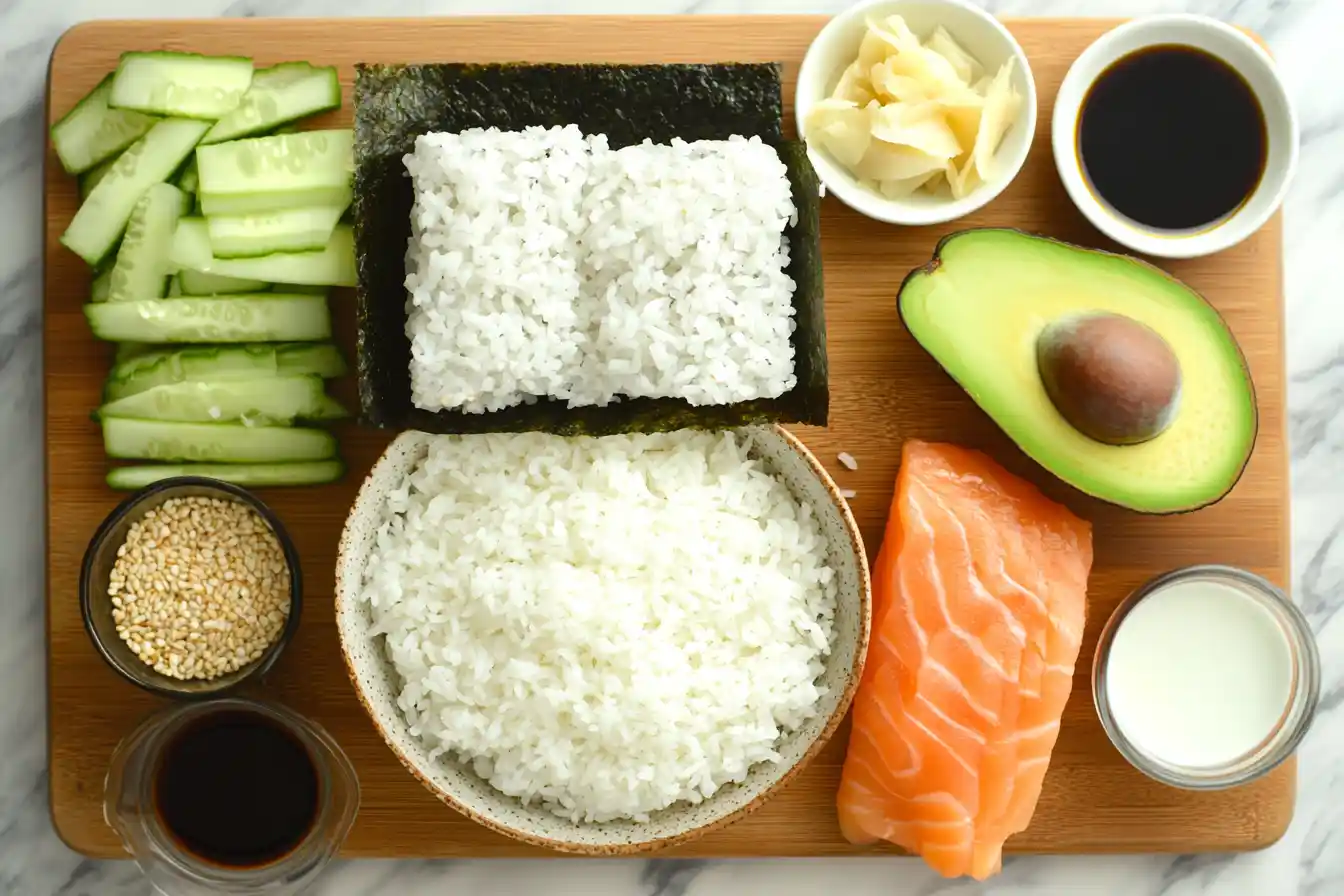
x=979 y=596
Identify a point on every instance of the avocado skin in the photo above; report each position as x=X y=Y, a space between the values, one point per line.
x=936 y=262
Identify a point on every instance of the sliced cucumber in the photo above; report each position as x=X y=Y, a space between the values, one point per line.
x=101 y=286
x=328 y=409
x=333 y=266
x=141 y=269
x=303 y=289
x=314 y=472
x=91 y=132
x=279 y=94
x=190 y=178
x=152 y=159
x=250 y=317
x=294 y=230
x=89 y=179
x=274 y=401
x=275 y=173
x=184 y=85
x=174 y=287
x=195 y=283
x=223 y=363
x=220 y=442
x=126 y=351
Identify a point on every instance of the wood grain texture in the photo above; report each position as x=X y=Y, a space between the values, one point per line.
x=884 y=389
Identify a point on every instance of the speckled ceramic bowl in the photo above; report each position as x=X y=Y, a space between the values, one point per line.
x=377 y=683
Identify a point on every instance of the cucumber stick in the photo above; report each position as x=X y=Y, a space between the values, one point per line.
x=294 y=230
x=274 y=401
x=334 y=265
x=275 y=173
x=101 y=286
x=223 y=363
x=251 y=317
x=183 y=85
x=194 y=283
x=314 y=472
x=150 y=160
x=89 y=179
x=218 y=442
x=190 y=178
x=141 y=269
x=91 y=132
x=128 y=350
x=327 y=408
x=279 y=94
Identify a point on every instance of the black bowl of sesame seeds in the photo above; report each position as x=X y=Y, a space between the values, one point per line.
x=191 y=588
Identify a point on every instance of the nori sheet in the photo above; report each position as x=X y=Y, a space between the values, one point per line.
x=629 y=103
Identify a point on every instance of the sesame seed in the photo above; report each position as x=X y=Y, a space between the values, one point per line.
x=198 y=569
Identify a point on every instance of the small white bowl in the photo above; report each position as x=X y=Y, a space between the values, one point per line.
x=982 y=35
x=1246 y=57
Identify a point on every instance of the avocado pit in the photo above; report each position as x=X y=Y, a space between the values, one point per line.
x=1113 y=379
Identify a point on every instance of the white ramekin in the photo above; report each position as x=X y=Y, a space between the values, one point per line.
x=1245 y=56
x=982 y=35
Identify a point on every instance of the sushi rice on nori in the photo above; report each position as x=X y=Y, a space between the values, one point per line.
x=639 y=368
x=543 y=263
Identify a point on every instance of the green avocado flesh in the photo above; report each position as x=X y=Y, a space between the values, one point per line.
x=979 y=307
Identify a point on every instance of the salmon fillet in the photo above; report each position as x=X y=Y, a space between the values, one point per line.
x=979 y=594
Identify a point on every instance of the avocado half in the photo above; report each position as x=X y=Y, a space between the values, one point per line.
x=979 y=308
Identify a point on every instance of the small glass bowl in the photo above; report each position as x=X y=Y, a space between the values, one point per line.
x=1299 y=711
x=96 y=606
x=128 y=806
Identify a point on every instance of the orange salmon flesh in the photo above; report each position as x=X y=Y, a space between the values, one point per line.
x=979 y=600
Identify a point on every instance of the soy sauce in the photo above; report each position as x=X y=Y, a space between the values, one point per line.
x=1172 y=137
x=236 y=789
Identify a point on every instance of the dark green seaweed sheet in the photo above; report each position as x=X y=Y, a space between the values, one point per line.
x=394 y=104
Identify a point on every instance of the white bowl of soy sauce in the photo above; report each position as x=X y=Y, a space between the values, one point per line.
x=1174 y=135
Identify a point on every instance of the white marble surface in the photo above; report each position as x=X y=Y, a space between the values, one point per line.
x=1304 y=34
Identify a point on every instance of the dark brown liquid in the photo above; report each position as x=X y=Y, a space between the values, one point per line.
x=1172 y=138
x=236 y=789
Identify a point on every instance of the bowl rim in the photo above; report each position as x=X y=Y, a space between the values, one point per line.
x=630 y=848
x=128 y=505
x=892 y=211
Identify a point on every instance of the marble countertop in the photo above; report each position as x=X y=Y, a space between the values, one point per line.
x=1304 y=35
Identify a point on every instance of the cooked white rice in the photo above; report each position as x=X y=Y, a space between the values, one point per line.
x=544 y=264
x=602 y=626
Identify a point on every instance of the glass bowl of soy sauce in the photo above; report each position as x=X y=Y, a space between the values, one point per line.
x=230 y=796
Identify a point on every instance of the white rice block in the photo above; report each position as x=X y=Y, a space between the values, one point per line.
x=685 y=269
x=544 y=264
x=493 y=311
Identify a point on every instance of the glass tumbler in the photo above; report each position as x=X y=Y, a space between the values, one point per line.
x=129 y=806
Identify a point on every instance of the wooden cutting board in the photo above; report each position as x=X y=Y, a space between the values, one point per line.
x=883 y=389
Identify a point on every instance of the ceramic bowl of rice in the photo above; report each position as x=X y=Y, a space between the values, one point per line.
x=603 y=645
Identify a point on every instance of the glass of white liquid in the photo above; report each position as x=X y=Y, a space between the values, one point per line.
x=1206 y=677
